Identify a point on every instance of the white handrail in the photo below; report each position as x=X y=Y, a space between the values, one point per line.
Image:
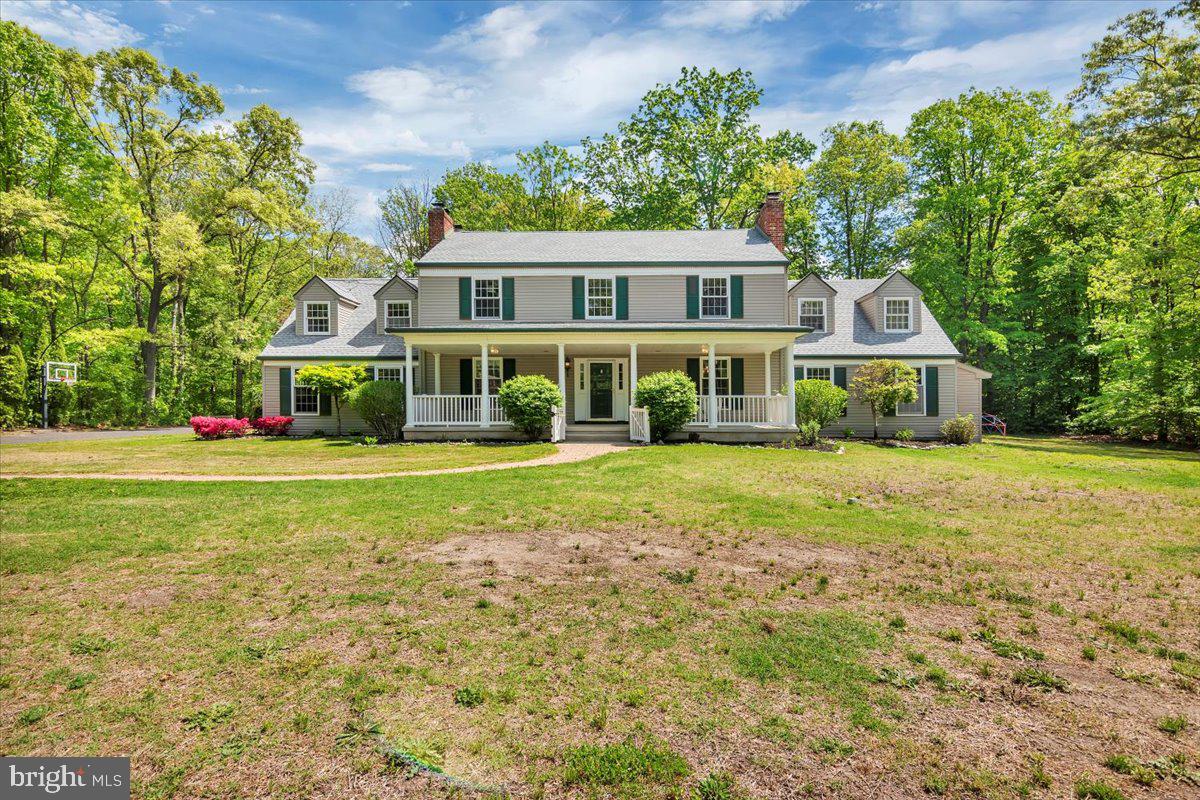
x=497 y=410
x=445 y=409
x=558 y=424
x=639 y=425
x=744 y=409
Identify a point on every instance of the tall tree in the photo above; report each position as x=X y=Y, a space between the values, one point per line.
x=683 y=157
x=554 y=198
x=404 y=224
x=860 y=180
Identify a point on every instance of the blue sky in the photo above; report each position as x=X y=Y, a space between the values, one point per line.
x=392 y=91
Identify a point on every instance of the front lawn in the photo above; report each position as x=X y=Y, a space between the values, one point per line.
x=1003 y=620
x=184 y=454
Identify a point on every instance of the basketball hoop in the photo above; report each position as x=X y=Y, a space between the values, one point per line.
x=64 y=372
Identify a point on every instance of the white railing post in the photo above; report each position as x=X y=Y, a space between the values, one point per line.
x=633 y=373
x=562 y=374
x=712 y=385
x=437 y=373
x=408 y=379
x=767 y=372
x=485 y=417
x=558 y=423
x=789 y=375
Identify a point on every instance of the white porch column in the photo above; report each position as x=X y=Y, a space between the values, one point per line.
x=485 y=400
x=767 y=372
x=789 y=377
x=712 y=385
x=437 y=373
x=562 y=374
x=633 y=373
x=408 y=383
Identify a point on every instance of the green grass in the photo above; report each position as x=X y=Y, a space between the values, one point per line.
x=663 y=613
x=183 y=454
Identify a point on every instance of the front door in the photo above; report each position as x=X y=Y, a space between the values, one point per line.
x=601 y=396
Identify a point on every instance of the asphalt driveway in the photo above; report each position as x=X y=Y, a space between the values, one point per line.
x=52 y=435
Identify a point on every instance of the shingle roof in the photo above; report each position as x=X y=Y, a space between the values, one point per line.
x=853 y=335
x=632 y=248
x=356 y=336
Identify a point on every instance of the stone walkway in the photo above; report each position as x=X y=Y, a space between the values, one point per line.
x=568 y=452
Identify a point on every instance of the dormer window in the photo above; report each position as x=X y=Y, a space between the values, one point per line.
x=397 y=314
x=897 y=315
x=316 y=318
x=486 y=298
x=714 y=298
x=811 y=313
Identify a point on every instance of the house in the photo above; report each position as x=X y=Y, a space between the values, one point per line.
x=592 y=311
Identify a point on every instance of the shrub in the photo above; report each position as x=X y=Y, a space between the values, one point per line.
x=848 y=433
x=959 y=430
x=819 y=401
x=468 y=696
x=529 y=402
x=219 y=427
x=809 y=432
x=904 y=435
x=670 y=400
x=272 y=426
x=381 y=405
x=333 y=380
x=882 y=384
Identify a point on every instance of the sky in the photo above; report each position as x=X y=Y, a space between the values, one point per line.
x=394 y=91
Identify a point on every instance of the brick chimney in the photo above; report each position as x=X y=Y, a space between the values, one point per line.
x=770 y=219
x=440 y=224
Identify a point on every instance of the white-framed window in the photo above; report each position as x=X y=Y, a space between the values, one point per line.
x=495 y=375
x=397 y=314
x=316 y=317
x=306 y=401
x=917 y=408
x=601 y=298
x=389 y=373
x=714 y=297
x=810 y=312
x=723 y=373
x=818 y=373
x=485 y=298
x=897 y=315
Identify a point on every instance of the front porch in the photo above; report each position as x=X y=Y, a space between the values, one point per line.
x=750 y=399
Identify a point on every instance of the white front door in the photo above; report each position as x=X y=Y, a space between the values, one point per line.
x=601 y=388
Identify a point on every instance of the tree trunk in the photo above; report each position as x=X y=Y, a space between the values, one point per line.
x=239 y=388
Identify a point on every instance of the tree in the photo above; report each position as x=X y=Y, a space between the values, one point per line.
x=882 y=384
x=684 y=155
x=554 y=198
x=333 y=380
x=860 y=180
x=481 y=197
x=382 y=405
x=404 y=224
x=800 y=241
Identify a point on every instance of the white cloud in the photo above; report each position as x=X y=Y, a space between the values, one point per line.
x=87 y=29
x=386 y=166
x=405 y=89
x=730 y=15
x=371 y=135
x=506 y=33
x=242 y=89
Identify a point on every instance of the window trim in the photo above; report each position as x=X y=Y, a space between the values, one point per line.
x=906 y=300
x=728 y=296
x=728 y=361
x=587 y=296
x=824 y=312
x=295 y=412
x=400 y=370
x=328 y=317
x=387 y=316
x=476 y=374
x=920 y=368
x=499 y=281
x=806 y=367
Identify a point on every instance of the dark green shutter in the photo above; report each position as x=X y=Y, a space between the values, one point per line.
x=622 y=298
x=464 y=298
x=931 y=391
x=693 y=297
x=466 y=376
x=737 y=376
x=735 y=298
x=507 y=302
x=325 y=404
x=370 y=373
x=693 y=371
x=797 y=373
x=839 y=380
x=285 y=391
x=577 y=300
x=508 y=369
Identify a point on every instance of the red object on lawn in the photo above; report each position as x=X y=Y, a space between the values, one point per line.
x=993 y=424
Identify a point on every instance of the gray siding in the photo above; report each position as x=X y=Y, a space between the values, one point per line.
x=657 y=298
x=858 y=416
x=811 y=286
x=542 y=298
x=872 y=304
x=316 y=291
x=439 y=300
x=970 y=396
x=395 y=290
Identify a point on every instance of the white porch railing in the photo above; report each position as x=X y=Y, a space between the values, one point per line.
x=558 y=424
x=498 y=417
x=744 y=409
x=639 y=425
x=454 y=409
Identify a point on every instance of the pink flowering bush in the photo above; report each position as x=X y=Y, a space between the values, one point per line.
x=219 y=427
x=272 y=426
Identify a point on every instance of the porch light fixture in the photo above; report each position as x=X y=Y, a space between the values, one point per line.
x=703 y=349
x=494 y=350
x=567 y=363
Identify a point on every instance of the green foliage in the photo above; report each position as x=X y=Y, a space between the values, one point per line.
x=1172 y=726
x=1088 y=789
x=334 y=380
x=529 y=402
x=959 y=429
x=819 y=401
x=381 y=405
x=904 y=435
x=1040 y=679
x=717 y=786
x=670 y=400
x=468 y=696
x=882 y=384
x=629 y=762
x=13 y=377
x=808 y=433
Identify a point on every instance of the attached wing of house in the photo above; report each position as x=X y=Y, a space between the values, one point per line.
x=593 y=311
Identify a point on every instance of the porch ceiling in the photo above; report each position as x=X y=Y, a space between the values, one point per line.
x=603 y=341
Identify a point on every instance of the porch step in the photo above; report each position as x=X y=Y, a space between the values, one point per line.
x=600 y=432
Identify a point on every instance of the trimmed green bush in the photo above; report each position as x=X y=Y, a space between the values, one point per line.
x=334 y=380
x=904 y=435
x=381 y=405
x=820 y=402
x=959 y=430
x=808 y=433
x=670 y=400
x=529 y=402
